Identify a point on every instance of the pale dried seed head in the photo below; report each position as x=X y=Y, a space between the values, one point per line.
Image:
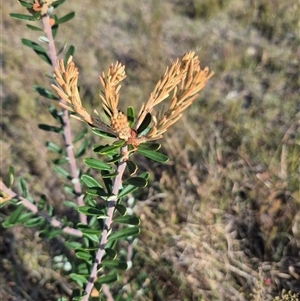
x=111 y=88
x=66 y=79
x=183 y=80
x=185 y=90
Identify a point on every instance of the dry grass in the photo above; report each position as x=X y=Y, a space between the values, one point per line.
x=221 y=220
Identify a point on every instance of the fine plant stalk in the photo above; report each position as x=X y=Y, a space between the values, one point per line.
x=66 y=120
x=33 y=208
x=111 y=204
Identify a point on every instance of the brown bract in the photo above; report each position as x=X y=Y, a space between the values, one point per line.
x=37 y=6
x=43 y=8
x=181 y=82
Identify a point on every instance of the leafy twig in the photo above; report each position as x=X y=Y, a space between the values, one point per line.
x=111 y=203
x=33 y=208
x=66 y=120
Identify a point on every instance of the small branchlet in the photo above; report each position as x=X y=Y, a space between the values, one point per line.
x=183 y=80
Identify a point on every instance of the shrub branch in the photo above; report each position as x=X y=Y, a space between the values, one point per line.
x=66 y=120
x=111 y=204
x=33 y=208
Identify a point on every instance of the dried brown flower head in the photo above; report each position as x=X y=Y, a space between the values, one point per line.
x=182 y=82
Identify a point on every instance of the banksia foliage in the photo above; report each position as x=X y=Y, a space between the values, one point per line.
x=182 y=82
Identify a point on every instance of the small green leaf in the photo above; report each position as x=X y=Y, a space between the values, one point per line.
x=136 y=181
x=124 y=233
x=115 y=264
x=102 y=133
x=23 y=17
x=90 y=201
x=34 y=222
x=110 y=253
x=25 y=216
x=33 y=45
x=73 y=244
x=61 y=50
x=132 y=167
x=38 y=49
x=126 y=190
x=25 y=4
x=107 y=279
x=121 y=209
x=59 y=161
x=58 y=3
x=23 y=187
x=115 y=158
x=43 y=39
x=85 y=229
x=155 y=156
x=97 y=191
x=54 y=148
x=82 y=148
x=69 y=52
x=49 y=128
x=86 y=249
x=106 y=150
x=150 y=146
x=34 y=28
x=107 y=181
x=11 y=176
x=92 y=237
x=144 y=125
x=119 y=142
x=70 y=204
x=130 y=116
x=91 y=211
x=50 y=210
x=90 y=181
x=54 y=29
x=62 y=172
x=83 y=268
x=44 y=56
x=110 y=175
x=97 y=164
x=65 y=18
x=145 y=175
x=80 y=279
x=42 y=202
x=15 y=216
x=6 y=223
x=45 y=93
x=50 y=233
x=127 y=220
x=80 y=135
x=83 y=255
x=93 y=220
x=57 y=115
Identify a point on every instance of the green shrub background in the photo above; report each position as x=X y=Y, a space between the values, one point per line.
x=224 y=214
